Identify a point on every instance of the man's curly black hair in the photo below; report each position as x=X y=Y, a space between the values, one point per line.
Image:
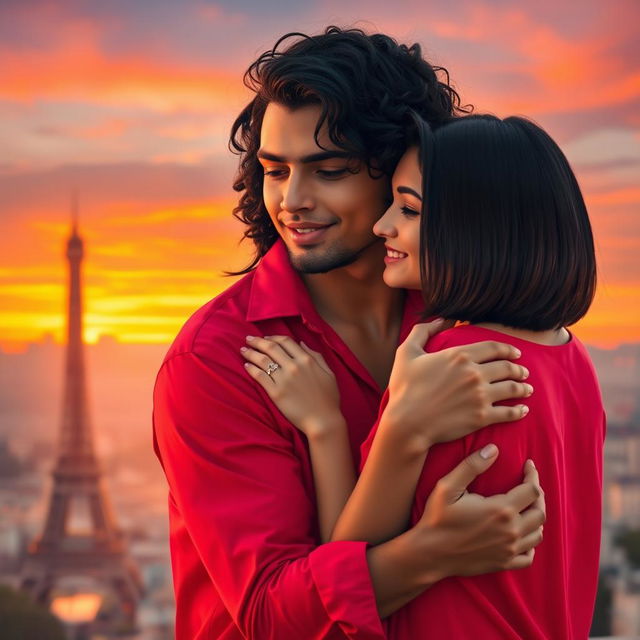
x=365 y=86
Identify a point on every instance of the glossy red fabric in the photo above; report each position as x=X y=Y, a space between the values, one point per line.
x=244 y=534
x=563 y=433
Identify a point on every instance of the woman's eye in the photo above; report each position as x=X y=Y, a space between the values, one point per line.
x=331 y=173
x=409 y=212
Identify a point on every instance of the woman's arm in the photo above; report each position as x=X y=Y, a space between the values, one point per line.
x=304 y=389
x=379 y=507
x=432 y=398
x=333 y=474
x=409 y=424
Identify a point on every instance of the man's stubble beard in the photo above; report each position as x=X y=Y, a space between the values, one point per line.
x=333 y=258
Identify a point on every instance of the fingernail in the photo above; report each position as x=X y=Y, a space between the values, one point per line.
x=529 y=389
x=489 y=451
x=246 y=365
x=244 y=349
x=250 y=338
x=525 y=373
x=533 y=464
x=524 y=409
x=517 y=352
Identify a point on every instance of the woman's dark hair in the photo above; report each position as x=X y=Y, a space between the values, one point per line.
x=504 y=231
x=364 y=85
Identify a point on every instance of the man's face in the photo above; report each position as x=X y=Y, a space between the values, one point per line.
x=322 y=203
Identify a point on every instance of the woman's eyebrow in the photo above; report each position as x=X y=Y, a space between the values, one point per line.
x=410 y=191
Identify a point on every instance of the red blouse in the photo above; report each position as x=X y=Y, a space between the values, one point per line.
x=244 y=533
x=563 y=433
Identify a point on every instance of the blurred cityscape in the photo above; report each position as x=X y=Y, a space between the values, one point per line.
x=121 y=379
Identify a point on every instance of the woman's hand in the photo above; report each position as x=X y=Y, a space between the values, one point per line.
x=443 y=396
x=302 y=385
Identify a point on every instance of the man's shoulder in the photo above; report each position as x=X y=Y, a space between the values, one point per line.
x=215 y=323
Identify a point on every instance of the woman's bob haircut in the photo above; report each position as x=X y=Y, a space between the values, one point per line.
x=505 y=236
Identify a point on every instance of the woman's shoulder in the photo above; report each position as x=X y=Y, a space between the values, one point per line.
x=467 y=334
x=456 y=336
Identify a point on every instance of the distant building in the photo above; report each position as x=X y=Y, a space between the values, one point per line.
x=81 y=555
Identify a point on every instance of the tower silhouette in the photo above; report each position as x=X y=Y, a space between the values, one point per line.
x=80 y=536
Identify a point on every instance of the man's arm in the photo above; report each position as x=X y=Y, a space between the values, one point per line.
x=463 y=534
x=239 y=479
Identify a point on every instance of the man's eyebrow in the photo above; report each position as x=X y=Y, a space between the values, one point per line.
x=410 y=191
x=313 y=157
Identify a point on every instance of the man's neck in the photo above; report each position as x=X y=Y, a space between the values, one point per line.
x=356 y=296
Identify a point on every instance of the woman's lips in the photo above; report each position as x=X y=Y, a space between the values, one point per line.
x=393 y=255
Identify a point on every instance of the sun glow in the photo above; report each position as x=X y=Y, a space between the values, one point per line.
x=77 y=608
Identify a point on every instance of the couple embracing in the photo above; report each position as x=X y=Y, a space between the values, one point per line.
x=364 y=436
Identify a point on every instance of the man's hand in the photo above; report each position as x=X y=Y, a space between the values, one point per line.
x=443 y=396
x=473 y=534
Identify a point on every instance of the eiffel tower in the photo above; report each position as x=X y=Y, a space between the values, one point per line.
x=80 y=538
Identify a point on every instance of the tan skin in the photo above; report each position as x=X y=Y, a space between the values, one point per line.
x=295 y=191
x=321 y=209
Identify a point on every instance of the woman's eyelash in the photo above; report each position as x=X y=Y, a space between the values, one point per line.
x=407 y=211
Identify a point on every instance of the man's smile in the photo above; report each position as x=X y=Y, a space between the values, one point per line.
x=307 y=233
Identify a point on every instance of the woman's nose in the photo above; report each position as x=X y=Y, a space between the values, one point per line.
x=384 y=227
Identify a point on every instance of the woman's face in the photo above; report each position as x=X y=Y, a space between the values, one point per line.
x=400 y=224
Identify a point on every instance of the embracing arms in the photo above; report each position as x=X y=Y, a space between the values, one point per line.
x=434 y=397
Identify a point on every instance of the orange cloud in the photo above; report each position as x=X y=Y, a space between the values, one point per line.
x=74 y=67
x=158 y=236
x=566 y=73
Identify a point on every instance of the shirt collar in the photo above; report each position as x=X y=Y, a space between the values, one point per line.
x=277 y=291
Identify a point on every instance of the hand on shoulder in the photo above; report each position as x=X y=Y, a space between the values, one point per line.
x=447 y=394
x=298 y=380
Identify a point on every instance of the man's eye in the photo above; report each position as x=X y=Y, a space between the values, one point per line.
x=274 y=173
x=409 y=212
x=330 y=174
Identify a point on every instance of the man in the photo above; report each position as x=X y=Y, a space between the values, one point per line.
x=318 y=145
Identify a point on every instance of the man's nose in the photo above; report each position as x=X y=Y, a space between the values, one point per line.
x=296 y=195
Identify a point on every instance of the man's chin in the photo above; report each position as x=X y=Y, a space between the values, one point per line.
x=320 y=260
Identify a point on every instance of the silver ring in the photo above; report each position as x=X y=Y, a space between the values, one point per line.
x=273 y=366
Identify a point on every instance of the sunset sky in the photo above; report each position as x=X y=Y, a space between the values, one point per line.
x=130 y=104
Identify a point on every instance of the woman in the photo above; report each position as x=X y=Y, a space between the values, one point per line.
x=488 y=220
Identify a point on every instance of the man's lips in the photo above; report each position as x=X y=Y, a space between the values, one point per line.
x=393 y=255
x=306 y=233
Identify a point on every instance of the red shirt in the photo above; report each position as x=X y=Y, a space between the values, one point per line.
x=563 y=433
x=244 y=533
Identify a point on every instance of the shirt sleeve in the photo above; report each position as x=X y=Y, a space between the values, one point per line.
x=237 y=479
